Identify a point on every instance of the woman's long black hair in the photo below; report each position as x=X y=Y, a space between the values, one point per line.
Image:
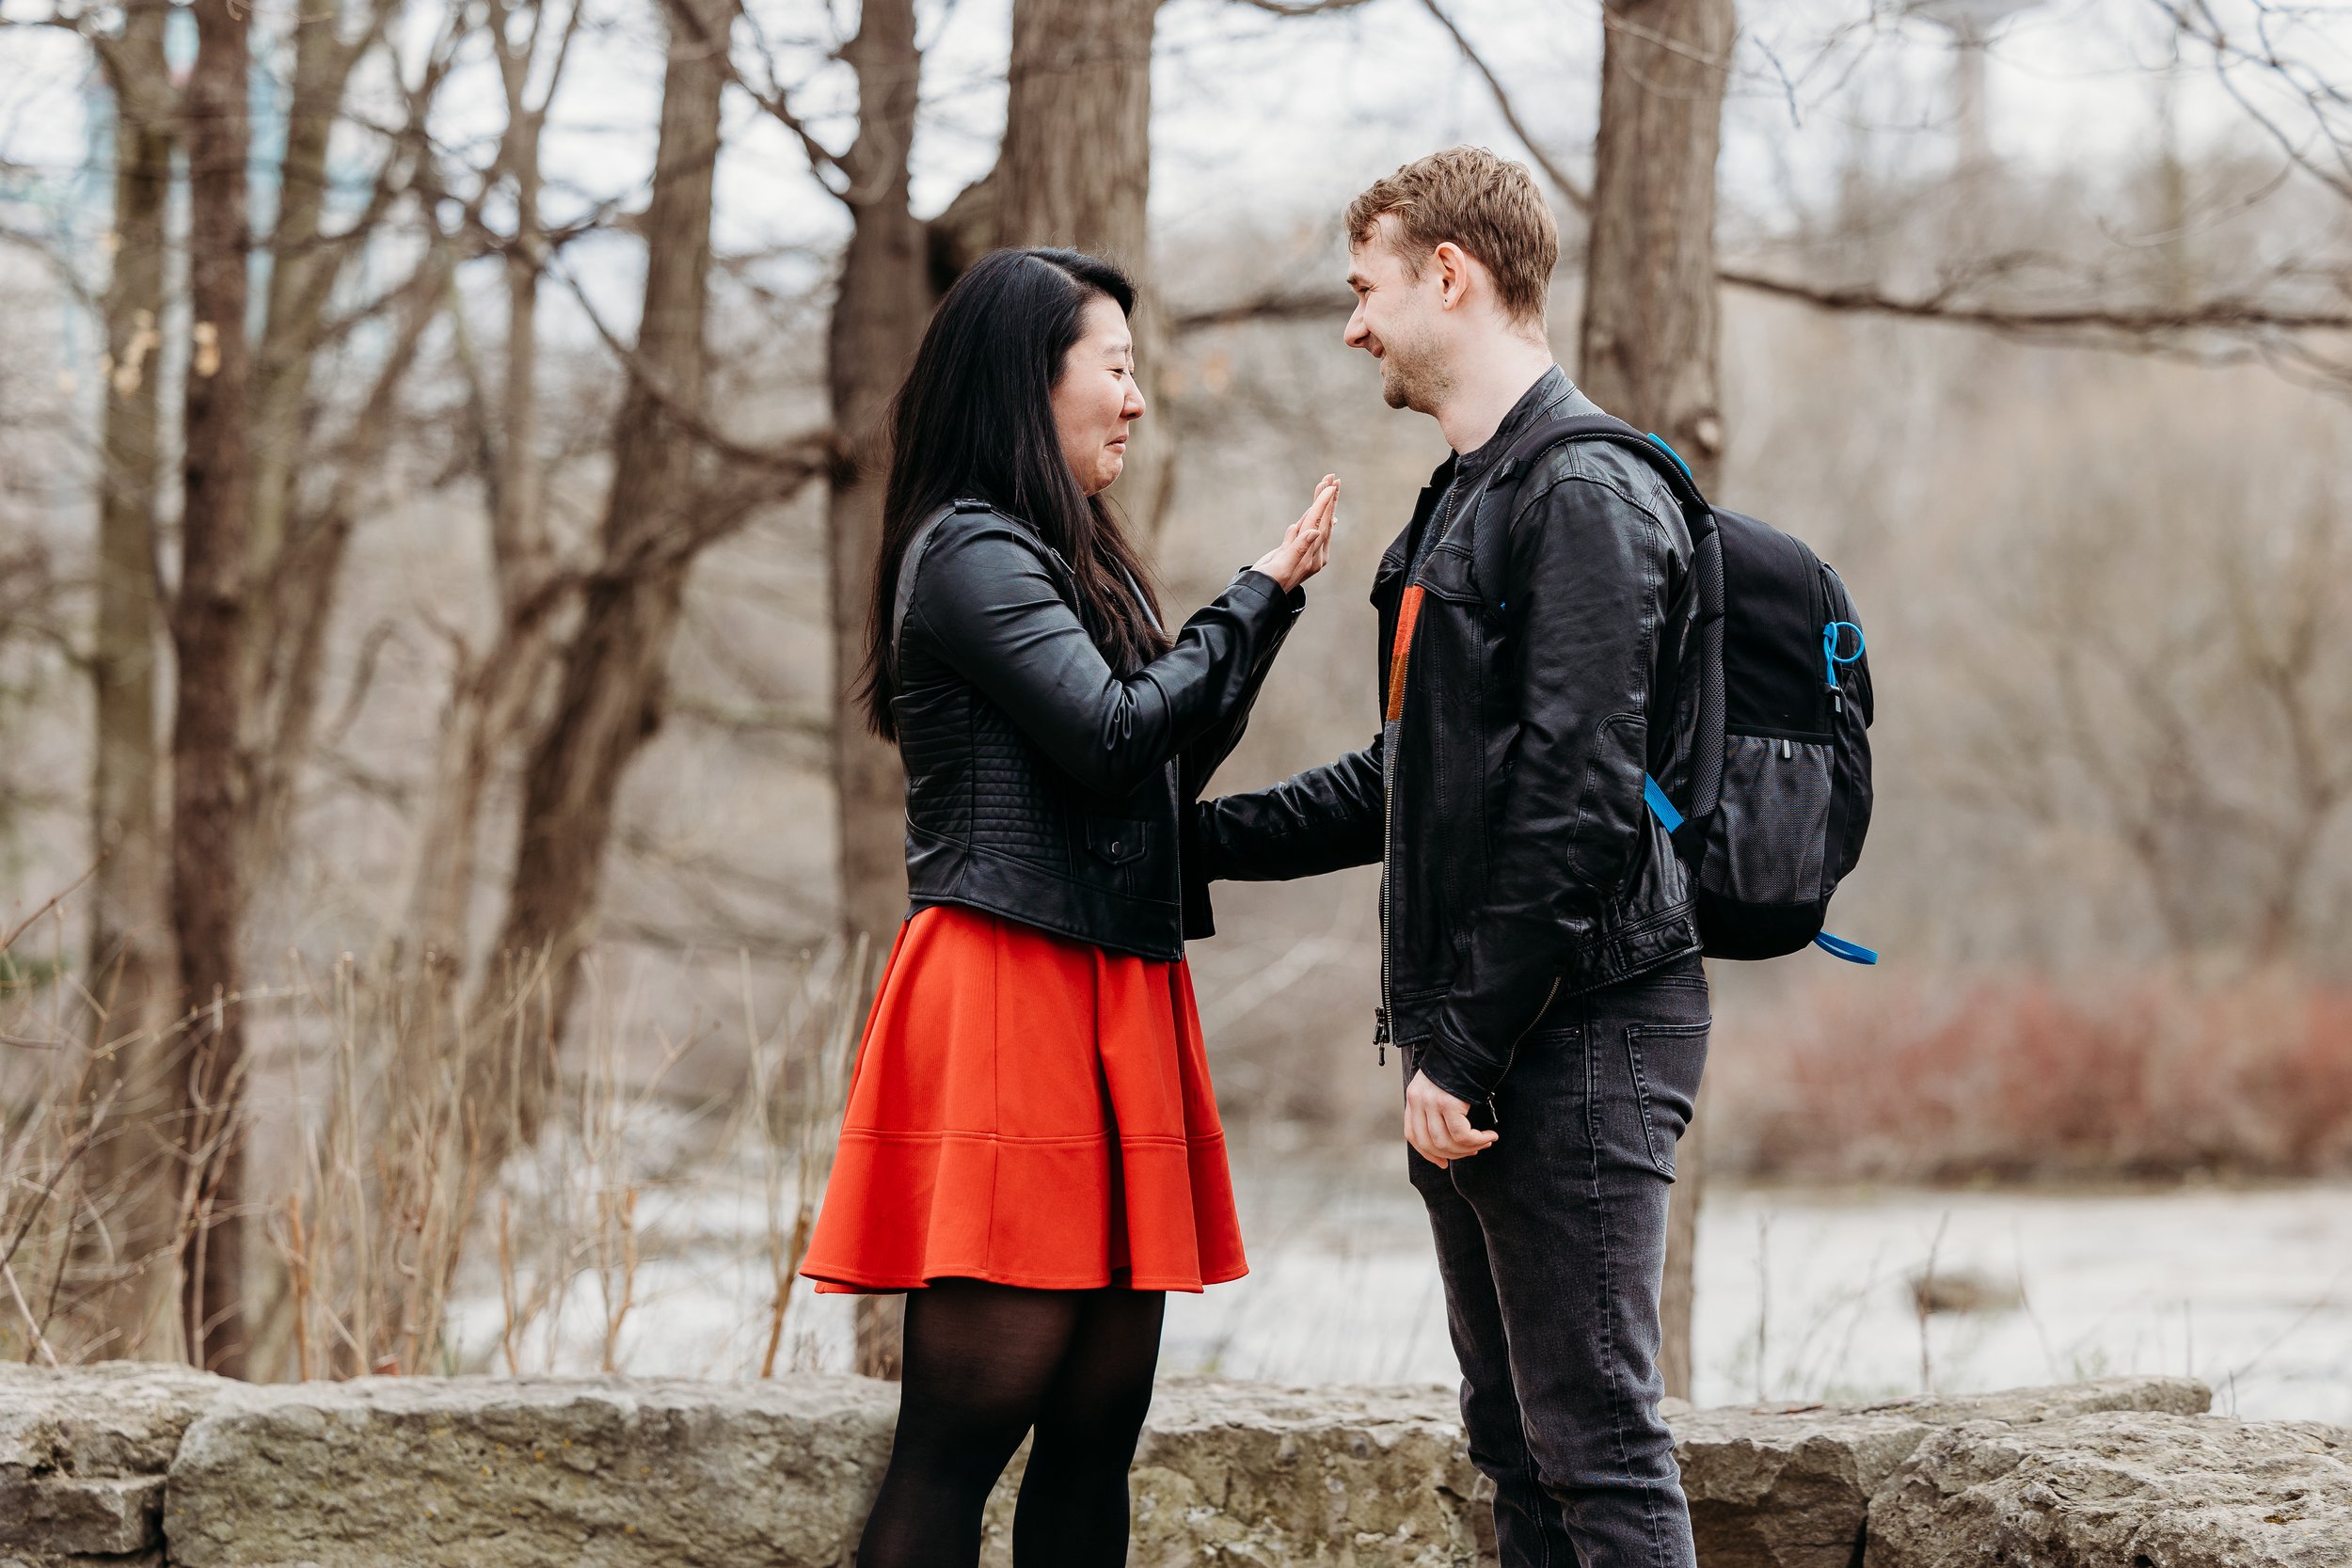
x=975 y=417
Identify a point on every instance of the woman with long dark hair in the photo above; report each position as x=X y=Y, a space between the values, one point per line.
x=1031 y=1149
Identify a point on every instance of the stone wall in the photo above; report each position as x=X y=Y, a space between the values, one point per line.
x=147 y=1465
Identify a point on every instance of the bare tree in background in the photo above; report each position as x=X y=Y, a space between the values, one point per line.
x=130 y=963
x=490 y=687
x=668 y=501
x=297 y=543
x=1647 y=352
x=1076 y=169
x=1648 y=348
x=207 y=858
x=877 y=318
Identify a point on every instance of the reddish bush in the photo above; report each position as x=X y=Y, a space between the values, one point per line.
x=2013 y=1077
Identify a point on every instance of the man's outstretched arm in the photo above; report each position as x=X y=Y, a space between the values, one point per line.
x=1325 y=819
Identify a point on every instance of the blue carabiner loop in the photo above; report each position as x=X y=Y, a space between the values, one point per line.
x=1830 y=657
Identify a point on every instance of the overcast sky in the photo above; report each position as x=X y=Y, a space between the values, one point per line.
x=1260 y=123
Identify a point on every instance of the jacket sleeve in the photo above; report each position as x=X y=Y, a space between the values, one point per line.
x=984 y=595
x=1585 y=584
x=1323 y=819
x=1206 y=752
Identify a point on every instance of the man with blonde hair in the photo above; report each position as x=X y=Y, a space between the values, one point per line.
x=1540 y=969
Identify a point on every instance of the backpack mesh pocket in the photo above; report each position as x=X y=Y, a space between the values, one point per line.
x=1771 y=831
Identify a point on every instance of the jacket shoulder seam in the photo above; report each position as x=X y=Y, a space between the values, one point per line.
x=1553 y=479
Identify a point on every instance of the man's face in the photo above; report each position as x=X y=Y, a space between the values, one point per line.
x=1398 y=321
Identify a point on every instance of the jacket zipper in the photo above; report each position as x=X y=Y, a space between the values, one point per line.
x=1384 y=1020
x=1380 y=1030
x=1512 y=1057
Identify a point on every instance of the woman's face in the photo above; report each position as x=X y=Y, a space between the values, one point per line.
x=1096 y=399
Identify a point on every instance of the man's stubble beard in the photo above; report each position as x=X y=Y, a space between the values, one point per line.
x=1411 y=377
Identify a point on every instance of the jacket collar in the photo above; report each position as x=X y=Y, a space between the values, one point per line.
x=1553 y=393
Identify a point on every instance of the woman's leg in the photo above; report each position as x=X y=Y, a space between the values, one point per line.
x=979 y=1362
x=1074 y=1498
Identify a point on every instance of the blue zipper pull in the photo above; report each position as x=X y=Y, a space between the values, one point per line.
x=1832 y=636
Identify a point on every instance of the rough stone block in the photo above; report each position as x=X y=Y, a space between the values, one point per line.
x=1790 y=1486
x=1314 y=1478
x=82 y=1453
x=2120 y=1489
x=426 y=1472
x=580 y=1472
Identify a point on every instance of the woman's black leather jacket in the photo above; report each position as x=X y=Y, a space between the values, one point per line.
x=1041 y=785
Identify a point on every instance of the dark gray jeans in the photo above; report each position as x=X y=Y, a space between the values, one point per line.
x=1553 y=1243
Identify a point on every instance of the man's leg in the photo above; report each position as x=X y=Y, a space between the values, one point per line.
x=1529 y=1530
x=1571 y=1202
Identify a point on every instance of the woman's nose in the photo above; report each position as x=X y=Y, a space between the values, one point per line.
x=1133 y=408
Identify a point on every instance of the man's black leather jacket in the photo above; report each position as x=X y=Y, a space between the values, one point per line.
x=1546 y=673
x=1041 y=785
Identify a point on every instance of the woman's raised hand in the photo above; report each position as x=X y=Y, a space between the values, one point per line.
x=1306 y=546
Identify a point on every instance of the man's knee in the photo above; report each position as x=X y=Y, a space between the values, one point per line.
x=1599 y=1451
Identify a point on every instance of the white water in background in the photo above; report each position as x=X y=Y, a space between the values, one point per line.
x=2249 y=1288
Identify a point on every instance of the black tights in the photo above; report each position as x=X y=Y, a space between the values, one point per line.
x=985 y=1364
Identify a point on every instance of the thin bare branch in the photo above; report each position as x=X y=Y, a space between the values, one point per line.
x=2212 y=315
x=1302 y=7
x=1576 y=195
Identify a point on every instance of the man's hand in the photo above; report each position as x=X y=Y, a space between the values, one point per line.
x=1439 y=1125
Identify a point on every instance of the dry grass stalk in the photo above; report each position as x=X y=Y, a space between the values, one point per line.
x=370 y=1171
x=819 y=1035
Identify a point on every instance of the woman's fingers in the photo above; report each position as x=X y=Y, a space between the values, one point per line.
x=1305 y=548
x=1327 y=484
x=1315 y=552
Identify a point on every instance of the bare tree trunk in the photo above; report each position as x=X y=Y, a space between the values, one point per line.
x=1076 y=169
x=130 y=964
x=878 y=319
x=206 y=860
x=300 y=268
x=490 y=691
x=294 y=557
x=609 y=703
x=1649 y=351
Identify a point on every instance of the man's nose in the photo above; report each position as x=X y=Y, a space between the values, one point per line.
x=1356 y=331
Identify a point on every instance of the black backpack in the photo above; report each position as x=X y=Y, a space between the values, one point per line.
x=1780 y=773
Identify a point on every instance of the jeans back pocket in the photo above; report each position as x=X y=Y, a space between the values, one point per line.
x=1666 y=1060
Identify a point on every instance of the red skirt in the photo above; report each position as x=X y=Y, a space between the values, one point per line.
x=1031 y=1110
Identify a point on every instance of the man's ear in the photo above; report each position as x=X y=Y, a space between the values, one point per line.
x=1453 y=273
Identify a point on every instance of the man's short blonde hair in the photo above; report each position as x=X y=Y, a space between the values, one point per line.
x=1490 y=206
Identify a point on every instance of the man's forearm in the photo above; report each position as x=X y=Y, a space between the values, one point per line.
x=1323 y=819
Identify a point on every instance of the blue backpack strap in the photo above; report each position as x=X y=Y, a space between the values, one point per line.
x=1659 y=806
x=1852 y=951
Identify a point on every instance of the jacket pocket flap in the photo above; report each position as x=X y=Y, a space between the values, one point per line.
x=1116 y=839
